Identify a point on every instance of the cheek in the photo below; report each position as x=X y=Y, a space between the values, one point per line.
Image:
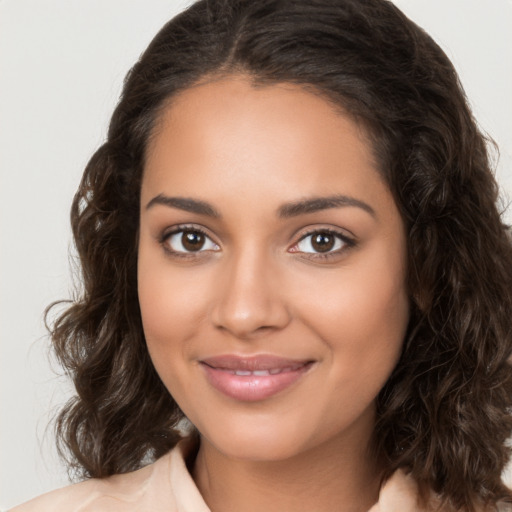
x=361 y=314
x=172 y=309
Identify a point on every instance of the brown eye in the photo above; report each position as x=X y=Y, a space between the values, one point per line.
x=323 y=242
x=188 y=241
x=192 y=240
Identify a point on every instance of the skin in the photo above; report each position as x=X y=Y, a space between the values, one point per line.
x=258 y=287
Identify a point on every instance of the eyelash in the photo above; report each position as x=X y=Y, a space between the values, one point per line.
x=166 y=235
x=347 y=242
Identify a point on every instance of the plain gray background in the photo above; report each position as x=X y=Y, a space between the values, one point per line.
x=62 y=63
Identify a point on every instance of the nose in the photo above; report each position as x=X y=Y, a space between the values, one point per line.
x=250 y=298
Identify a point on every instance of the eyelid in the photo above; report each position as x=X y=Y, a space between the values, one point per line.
x=172 y=230
x=167 y=233
x=344 y=234
x=349 y=241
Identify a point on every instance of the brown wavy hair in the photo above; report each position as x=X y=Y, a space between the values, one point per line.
x=445 y=413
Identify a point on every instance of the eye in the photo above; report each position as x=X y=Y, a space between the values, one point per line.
x=189 y=241
x=322 y=242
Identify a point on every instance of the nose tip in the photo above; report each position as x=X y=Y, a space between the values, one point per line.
x=245 y=326
x=249 y=303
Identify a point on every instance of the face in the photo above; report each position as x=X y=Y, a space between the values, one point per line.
x=271 y=268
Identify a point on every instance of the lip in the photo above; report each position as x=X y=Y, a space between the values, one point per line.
x=254 y=378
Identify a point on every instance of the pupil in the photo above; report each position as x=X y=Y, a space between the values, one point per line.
x=192 y=240
x=323 y=242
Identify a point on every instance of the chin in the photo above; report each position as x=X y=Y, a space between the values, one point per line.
x=258 y=448
x=259 y=439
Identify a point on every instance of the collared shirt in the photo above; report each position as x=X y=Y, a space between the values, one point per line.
x=167 y=486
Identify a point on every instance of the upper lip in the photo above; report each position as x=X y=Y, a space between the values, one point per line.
x=253 y=363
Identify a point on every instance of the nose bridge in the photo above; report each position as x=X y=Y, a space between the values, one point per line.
x=249 y=298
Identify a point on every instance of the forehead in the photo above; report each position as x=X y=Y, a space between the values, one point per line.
x=276 y=140
x=238 y=103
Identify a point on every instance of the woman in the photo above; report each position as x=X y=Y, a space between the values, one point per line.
x=291 y=239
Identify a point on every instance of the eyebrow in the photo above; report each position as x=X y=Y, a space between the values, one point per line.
x=184 y=203
x=317 y=204
x=288 y=210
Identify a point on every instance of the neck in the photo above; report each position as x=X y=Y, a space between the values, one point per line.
x=336 y=475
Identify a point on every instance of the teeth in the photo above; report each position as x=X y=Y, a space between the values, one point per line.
x=256 y=373
x=263 y=373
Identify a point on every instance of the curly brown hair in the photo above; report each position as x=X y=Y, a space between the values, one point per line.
x=444 y=415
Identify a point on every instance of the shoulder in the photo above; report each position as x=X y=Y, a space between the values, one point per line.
x=144 y=489
x=400 y=492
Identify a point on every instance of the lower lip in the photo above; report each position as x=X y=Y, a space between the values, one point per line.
x=252 y=388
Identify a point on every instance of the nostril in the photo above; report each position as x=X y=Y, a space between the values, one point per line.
x=248 y=302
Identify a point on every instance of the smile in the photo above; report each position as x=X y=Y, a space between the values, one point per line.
x=253 y=379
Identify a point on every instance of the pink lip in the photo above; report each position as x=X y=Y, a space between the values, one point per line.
x=253 y=378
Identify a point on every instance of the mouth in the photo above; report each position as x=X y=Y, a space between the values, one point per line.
x=256 y=378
